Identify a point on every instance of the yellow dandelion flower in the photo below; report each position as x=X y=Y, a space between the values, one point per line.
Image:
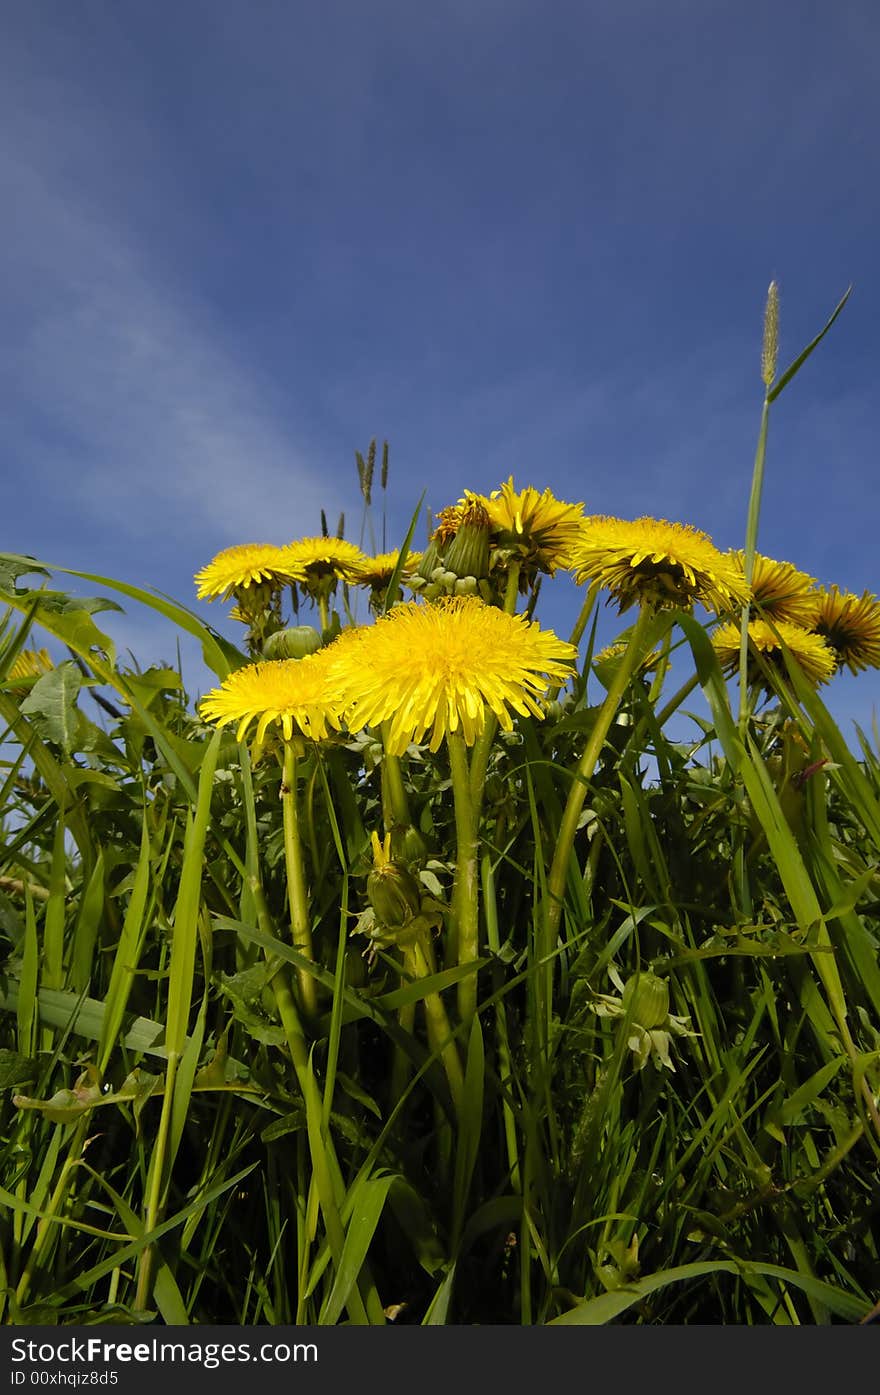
x=810 y=652
x=377 y=571
x=246 y=564
x=609 y=657
x=538 y=528
x=320 y=559
x=651 y=560
x=779 y=590
x=30 y=663
x=447 y=524
x=298 y=693
x=438 y=668
x=850 y=626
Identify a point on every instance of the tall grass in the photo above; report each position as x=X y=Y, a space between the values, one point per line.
x=624 y=1068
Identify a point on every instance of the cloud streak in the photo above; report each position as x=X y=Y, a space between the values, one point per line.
x=120 y=395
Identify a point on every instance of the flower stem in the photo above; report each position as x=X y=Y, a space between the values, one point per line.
x=323 y=611
x=395 y=790
x=483 y=746
x=580 y=623
x=323 y=1160
x=300 y=923
x=576 y=796
x=511 y=590
x=440 y=1037
x=466 y=905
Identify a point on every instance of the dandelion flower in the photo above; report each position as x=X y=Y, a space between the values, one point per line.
x=650 y=560
x=242 y=566
x=850 y=626
x=779 y=590
x=298 y=693
x=439 y=668
x=314 y=560
x=809 y=651
x=608 y=659
x=30 y=663
x=538 y=529
x=377 y=571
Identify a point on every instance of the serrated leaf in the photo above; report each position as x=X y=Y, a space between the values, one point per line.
x=51 y=702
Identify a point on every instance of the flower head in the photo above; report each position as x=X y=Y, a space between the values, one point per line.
x=539 y=530
x=298 y=693
x=243 y=566
x=650 y=560
x=850 y=626
x=377 y=571
x=779 y=590
x=30 y=663
x=319 y=559
x=810 y=652
x=438 y=668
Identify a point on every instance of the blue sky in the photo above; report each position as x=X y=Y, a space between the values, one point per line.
x=508 y=236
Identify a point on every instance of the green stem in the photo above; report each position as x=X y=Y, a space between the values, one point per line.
x=466 y=904
x=395 y=790
x=321 y=1162
x=483 y=746
x=323 y=612
x=156 y=1181
x=440 y=1036
x=749 y=565
x=677 y=699
x=395 y=811
x=511 y=590
x=505 y=1060
x=300 y=922
x=47 y=1230
x=586 y=609
x=578 y=792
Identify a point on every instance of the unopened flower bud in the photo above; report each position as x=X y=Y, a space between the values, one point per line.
x=648 y=997
x=394 y=894
x=294 y=643
x=468 y=553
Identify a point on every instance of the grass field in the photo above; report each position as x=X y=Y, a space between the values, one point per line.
x=417 y=975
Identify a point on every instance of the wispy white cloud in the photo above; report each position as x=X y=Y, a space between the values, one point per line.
x=119 y=394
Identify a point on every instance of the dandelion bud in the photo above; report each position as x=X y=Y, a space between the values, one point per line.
x=415 y=849
x=468 y=552
x=648 y=997
x=430 y=558
x=770 y=348
x=294 y=643
x=394 y=894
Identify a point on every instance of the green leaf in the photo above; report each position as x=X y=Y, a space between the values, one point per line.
x=368 y=1202
x=785 y=378
x=52 y=704
x=607 y=1306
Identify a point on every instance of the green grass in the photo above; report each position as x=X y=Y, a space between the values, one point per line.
x=209 y=1116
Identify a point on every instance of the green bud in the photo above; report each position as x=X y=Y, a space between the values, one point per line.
x=466 y=586
x=648 y=996
x=430 y=559
x=294 y=643
x=468 y=553
x=394 y=894
x=415 y=849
